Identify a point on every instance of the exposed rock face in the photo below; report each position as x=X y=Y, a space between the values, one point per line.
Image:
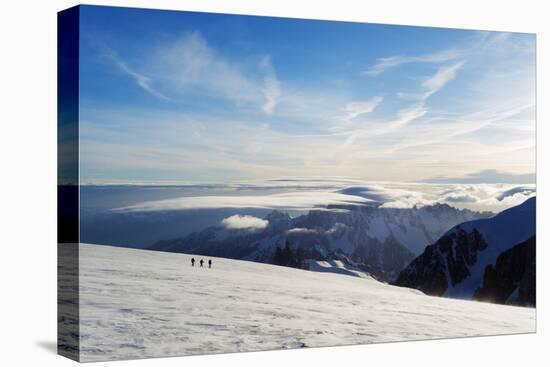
x=512 y=279
x=489 y=259
x=447 y=260
x=463 y=254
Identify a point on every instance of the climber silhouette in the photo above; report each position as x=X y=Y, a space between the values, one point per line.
x=193 y=261
x=209 y=263
x=201 y=262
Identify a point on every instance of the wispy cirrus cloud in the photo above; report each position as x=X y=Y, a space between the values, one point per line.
x=141 y=80
x=355 y=109
x=271 y=86
x=385 y=63
x=429 y=87
x=417 y=109
x=239 y=113
x=437 y=81
x=190 y=65
x=503 y=116
x=502 y=57
x=481 y=42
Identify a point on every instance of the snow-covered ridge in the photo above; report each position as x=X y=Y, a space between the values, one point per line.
x=380 y=240
x=138 y=304
x=455 y=265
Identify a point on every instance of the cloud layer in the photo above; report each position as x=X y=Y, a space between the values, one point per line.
x=296 y=200
x=481 y=197
x=244 y=222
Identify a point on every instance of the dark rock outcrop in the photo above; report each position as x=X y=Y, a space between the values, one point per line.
x=452 y=254
x=512 y=279
x=489 y=259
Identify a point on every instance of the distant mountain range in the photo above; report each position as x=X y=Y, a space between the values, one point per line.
x=376 y=240
x=490 y=259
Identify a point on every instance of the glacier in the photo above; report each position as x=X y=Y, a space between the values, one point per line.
x=139 y=304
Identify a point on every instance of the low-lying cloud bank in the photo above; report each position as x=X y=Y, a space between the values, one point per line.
x=244 y=222
x=298 y=200
x=482 y=197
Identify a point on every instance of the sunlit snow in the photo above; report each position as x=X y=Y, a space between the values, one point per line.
x=137 y=304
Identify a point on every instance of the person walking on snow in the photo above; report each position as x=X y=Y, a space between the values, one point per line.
x=202 y=262
x=209 y=263
x=192 y=261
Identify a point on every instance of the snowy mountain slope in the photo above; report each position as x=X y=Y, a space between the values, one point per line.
x=382 y=240
x=335 y=266
x=454 y=266
x=137 y=304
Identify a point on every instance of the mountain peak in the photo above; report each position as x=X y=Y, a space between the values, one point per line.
x=277 y=216
x=456 y=264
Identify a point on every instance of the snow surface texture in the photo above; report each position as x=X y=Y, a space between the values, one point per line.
x=138 y=304
x=335 y=266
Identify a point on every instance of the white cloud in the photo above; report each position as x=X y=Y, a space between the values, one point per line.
x=480 y=43
x=219 y=140
x=389 y=196
x=295 y=200
x=460 y=129
x=271 y=88
x=244 y=222
x=299 y=230
x=437 y=81
x=385 y=63
x=489 y=117
x=460 y=198
x=355 y=109
x=414 y=111
x=407 y=115
x=141 y=80
x=482 y=197
x=493 y=197
x=430 y=86
x=190 y=65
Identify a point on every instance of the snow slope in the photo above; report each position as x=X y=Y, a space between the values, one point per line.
x=335 y=266
x=137 y=304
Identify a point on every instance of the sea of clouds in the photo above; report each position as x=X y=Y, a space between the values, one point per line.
x=307 y=194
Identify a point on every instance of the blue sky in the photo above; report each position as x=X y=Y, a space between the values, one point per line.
x=192 y=97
